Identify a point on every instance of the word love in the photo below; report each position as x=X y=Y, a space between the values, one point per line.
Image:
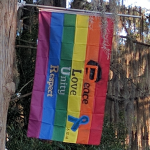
x=74 y=81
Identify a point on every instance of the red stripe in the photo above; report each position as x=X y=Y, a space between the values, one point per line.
x=101 y=87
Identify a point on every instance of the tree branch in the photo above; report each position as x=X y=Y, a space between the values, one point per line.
x=26 y=41
x=22 y=96
x=135 y=41
x=25 y=86
x=23 y=46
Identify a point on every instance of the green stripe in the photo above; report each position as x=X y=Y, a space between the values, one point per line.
x=64 y=77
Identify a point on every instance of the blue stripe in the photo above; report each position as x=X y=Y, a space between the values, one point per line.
x=49 y=104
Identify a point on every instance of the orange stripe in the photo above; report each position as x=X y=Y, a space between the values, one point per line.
x=92 y=52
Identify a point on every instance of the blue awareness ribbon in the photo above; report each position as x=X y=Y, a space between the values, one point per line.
x=78 y=121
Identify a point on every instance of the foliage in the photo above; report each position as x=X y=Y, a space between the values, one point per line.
x=109 y=141
x=80 y=4
x=114 y=135
x=18 y=112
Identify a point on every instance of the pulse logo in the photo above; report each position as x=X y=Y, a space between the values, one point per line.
x=93 y=71
x=93 y=74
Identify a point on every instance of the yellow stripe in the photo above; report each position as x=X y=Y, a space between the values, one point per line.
x=77 y=72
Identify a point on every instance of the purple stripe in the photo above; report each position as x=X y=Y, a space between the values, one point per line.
x=36 y=106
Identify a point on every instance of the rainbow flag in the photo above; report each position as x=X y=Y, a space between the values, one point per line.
x=71 y=75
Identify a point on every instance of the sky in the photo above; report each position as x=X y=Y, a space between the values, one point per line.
x=142 y=3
